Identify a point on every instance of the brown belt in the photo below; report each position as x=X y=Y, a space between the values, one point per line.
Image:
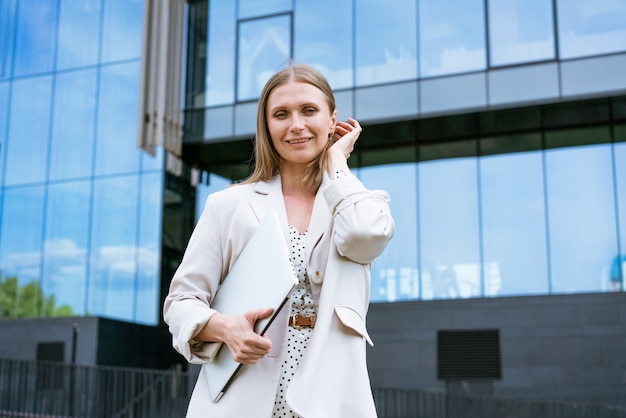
x=300 y=321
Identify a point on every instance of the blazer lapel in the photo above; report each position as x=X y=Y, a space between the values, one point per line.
x=270 y=198
x=320 y=221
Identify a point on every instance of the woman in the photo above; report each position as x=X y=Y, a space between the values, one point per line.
x=312 y=366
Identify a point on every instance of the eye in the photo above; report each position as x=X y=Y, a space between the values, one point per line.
x=309 y=110
x=280 y=115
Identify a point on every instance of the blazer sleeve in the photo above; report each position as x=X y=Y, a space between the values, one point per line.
x=187 y=308
x=363 y=224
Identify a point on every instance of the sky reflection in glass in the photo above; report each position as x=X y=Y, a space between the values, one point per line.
x=264 y=48
x=591 y=27
x=520 y=31
x=452 y=36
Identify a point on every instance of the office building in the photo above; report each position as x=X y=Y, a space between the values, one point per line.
x=498 y=127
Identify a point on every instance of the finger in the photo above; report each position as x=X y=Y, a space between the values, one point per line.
x=256 y=314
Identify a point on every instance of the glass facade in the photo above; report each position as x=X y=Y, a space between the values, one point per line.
x=80 y=205
x=529 y=201
x=367 y=43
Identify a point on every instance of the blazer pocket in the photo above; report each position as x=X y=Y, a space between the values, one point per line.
x=351 y=319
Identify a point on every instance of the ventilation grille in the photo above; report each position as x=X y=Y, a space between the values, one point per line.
x=468 y=354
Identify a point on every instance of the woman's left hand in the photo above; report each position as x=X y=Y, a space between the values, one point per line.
x=345 y=136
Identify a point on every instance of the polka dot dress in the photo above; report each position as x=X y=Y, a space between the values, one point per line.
x=297 y=340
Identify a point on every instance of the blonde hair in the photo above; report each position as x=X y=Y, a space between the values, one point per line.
x=267 y=161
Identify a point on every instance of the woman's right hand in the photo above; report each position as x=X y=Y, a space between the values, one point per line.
x=237 y=332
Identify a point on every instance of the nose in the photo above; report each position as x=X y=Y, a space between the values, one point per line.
x=297 y=123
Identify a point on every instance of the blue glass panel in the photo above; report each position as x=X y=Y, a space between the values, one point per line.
x=36 y=36
x=448 y=229
x=264 y=46
x=388 y=101
x=590 y=27
x=153 y=162
x=254 y=8
x=8 y=10
x=395 y=271
x=71 y=151
x=618 y=273
x=149 y=249
x=116 y=143
x=514 y=227
x=520 y=31
x=581 y=217
x=323 y=37
x=27 y=143
x=220 y=74
x=452 y=36
x=609 y=74
x=386 y=41
x=113 y=252
x=122 y=30
x=21 y=232
x=79 y=30
x=65 y=245
x=215 y=183
x=4 y=116
x=524 y=83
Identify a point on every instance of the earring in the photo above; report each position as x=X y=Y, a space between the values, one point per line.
x=330 y=136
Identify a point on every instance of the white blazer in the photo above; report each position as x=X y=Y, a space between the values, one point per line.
x=350 y=226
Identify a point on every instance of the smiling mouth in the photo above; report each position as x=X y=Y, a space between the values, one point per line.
x=299 y=141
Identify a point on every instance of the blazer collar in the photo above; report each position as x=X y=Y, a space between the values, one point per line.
x=270 y=197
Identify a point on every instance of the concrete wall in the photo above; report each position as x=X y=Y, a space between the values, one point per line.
x=99 y=341
x=554 y=347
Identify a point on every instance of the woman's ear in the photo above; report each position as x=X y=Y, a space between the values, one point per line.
x=333 y=122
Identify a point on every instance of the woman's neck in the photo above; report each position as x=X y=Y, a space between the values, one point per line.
x=291 y=179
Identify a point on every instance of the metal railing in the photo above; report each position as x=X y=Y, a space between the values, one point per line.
x=30 y=389
x=55 y=390
x=400 y=403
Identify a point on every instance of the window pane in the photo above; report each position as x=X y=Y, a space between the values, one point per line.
x=390 y=54
x=324 y=39
x=151 y=163
x=394 y=272
x=113 y=262
x=79 y=30
x=215 y=183
x=520 y=31
x=27 y=141
x=73 y=126
x=20 y=236
x=581 y=217
x=253 y=8
x=122 y=30
x=514 y=226
x=264 y=47
x=590 y=27
x=8 y=10
x=448 y=229
x=4 y=115
x=619 y=272
x=116 y=144
x=452 y=36
x=149 y=249
x=220 y=74
x=36 y=35
x=65 y=246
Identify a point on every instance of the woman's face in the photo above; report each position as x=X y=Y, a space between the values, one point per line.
x=299 y=122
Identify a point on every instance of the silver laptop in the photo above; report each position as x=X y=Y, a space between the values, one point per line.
x=262 y=276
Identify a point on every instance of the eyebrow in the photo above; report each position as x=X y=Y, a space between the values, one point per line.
x=281 y=107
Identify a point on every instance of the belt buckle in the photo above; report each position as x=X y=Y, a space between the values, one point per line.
x=294 y=319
